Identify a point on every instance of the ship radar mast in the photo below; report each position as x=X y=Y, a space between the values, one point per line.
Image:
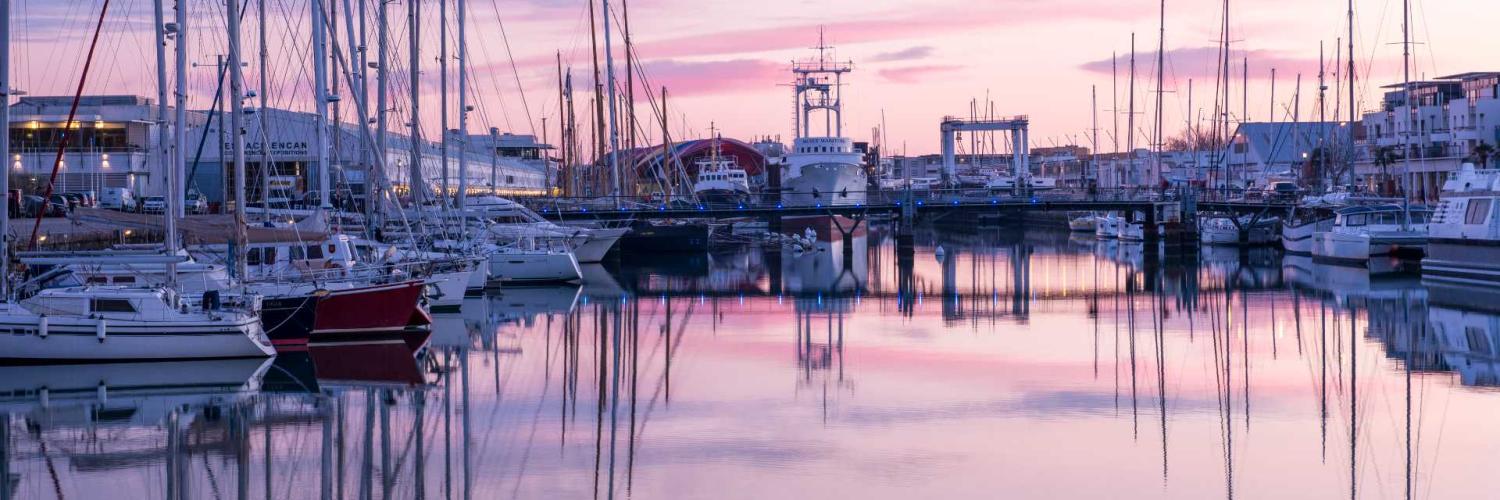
x=816 y=88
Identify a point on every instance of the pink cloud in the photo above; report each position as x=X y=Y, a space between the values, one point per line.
x=1200 y=63
x=700 y=78
x=914 y=74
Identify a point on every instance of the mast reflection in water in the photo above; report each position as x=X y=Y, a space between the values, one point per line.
x=987 y=364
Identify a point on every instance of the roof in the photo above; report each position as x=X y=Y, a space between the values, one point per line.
x=1286 y=143
x=1470 y=75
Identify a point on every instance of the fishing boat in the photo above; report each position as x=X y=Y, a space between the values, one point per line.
x=721 y=181
x=118 y=323
x=1362 y=232
x=1463 y=243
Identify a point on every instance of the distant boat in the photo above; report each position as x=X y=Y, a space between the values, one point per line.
x=1085 y=222
x=721 y=181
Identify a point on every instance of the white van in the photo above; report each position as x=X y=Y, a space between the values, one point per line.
x=118 y=199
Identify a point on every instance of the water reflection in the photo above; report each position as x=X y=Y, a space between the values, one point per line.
x=988 y=361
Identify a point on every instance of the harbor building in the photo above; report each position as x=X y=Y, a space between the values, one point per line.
x=111 y=147
x=1437 y=125
x=116 y=145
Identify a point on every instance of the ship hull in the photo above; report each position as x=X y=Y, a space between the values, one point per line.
x=825 y=184
x=371 y=309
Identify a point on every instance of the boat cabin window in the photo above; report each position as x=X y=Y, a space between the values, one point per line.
x=315 y=252
x=252 y=257
x=96 y=280
x=1479 y=210
x=122 y=280
x=112 y=306
x=1355 y=219
x=1422 y=217
x=1478 y=341
x=270 y=255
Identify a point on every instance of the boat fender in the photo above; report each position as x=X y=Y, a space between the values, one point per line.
x=99 y=330
x=41 y=325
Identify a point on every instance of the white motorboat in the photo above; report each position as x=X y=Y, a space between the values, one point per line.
x=116 y=323
x=1107 y=225
x=1243 y=230
x=1362 y=232
x=1463 y=242
x=1085 y=222
x=1299 y=230
x=511 y=220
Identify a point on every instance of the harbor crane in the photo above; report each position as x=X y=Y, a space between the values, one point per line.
x=1020 y=151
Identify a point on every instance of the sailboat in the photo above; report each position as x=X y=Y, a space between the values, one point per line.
x=121 y=322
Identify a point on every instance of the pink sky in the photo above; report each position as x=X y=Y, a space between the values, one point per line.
x=724 y=61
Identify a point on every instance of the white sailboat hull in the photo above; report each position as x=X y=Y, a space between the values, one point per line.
x=75 y=338
x=445 y=291
x=598 y=244
x=534 y=267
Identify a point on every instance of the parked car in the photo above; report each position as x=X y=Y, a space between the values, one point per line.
x=122 y=199
x=75 y=200
x=1282 y=191
x=84 y=198
x=195 y=204
x=154 y=204
x=62 y=201
x=32 y=205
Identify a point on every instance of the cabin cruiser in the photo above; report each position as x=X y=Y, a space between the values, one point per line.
x=508 y=218
x=1362 y=232
x=1083 y=222
x=1463 y=243
x=1243 y=230
x=116 y=323
x=1298 y=230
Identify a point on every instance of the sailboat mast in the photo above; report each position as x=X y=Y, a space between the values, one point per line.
x=463 y=104
x=1350 y=71
x=414 y=180
x=264 y=118
x=179 y=119
x=320 y=82
x=1322 y=123
x=1411 y=111
x=163 y=152
x=236 y=127
x=5 y=148
x=443 y=96
x=1130 y=116
x=382 y=91
x=1161 y=48
x=617 y=189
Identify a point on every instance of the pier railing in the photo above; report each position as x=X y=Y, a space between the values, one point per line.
x=873 y=198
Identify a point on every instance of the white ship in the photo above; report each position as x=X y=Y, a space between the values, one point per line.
x=721 y=181
x=822 y=170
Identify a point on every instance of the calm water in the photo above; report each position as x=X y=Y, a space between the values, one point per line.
x=991 y=365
